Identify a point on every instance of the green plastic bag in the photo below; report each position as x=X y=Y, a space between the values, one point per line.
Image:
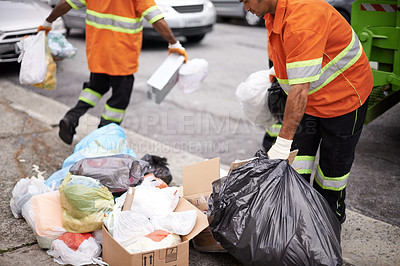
x=84 y=202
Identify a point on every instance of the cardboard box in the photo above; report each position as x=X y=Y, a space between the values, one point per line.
x=164 y=78
x=115 y=254
x=197 y=188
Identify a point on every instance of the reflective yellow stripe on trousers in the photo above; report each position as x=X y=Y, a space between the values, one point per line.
x=331 y=183
x=90 y=96
x=303 y=164
x=113 y=114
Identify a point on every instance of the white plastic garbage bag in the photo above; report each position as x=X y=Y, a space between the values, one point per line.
x=253 y=97
x=192 y=74
x=129 y=226
x=156 y=240
x=75 y=249
x=180 y=223
x=24 y=190
x=151 y=201
x=33 y=56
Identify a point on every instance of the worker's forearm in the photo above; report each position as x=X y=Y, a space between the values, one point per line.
x=163 y=29
x=294 y=111
x=60 y=9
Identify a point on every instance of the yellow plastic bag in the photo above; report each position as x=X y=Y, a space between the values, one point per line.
x=50 y=80
x=84 y=202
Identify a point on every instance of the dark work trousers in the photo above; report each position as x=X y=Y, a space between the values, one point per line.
x=337 y=138
x=93 y=90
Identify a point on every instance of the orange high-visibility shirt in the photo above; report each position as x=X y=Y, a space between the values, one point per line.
x=312 y=43
x=114 y=33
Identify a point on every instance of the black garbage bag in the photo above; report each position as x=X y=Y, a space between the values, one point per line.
x=277 y=101
x=117 y=172
x=158 y=167
x=265 y=213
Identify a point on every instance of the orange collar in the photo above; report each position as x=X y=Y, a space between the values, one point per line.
x=274 y=21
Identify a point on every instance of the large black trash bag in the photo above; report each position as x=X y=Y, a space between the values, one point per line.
x=158 y=167
x=265 y=213
x=277 y=101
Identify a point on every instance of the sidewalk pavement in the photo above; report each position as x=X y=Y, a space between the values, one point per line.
x=29 y=136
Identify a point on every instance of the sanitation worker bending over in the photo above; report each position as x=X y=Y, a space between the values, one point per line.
x=320 y=63
x=113 y=45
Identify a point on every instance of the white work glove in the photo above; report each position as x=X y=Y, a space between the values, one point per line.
x=281 y=149
x=178 y=49
x=46 y=26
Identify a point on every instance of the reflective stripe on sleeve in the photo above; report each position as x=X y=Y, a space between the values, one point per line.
x=304 y=71
x=90 y=96
x=303 y=164
x=76 y=4
x=331 y=183
x=114 y=22
x=274 y=130
x=152 y=14
x=113 y=114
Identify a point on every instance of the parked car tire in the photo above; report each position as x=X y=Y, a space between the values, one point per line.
x=195 y=38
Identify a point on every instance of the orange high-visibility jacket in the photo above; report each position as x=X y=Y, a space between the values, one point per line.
x=312 y=43
x=114 y=33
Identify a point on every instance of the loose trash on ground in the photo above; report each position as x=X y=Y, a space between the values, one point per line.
x=265 y=213
x=75 y=249
x=81 y=218
x=116 y=172
x=158 y=166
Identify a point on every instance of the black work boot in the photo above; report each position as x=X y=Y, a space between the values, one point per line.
x=67 y=128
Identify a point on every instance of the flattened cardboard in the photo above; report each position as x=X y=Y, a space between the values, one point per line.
x=197 y=188
x=198 y=178
x=115 y=254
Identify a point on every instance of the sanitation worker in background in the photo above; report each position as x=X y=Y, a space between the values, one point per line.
x=320 y=63
x=113 y=44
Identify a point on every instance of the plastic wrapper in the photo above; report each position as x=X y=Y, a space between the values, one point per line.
x=253 y=97
x=75 y=249
x=105 y=141
x=24 y=190
x=43 y=214
x=277 y=101
x=156 y=240
x=180 y=223
x=158 y=167
x=265 y=213
x=127 y=226
x=152 y=181
x=32 y=58
x=60 y=47
x=84 y=202
x=117 y=172
x=192 y=74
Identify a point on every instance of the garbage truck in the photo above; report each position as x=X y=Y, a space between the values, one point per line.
x=377 y=25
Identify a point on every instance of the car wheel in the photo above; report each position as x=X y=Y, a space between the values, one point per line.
x=195 y=38
x=251 y=19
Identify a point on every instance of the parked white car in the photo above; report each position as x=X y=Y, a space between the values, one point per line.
x=192 y=19
x=19 y=18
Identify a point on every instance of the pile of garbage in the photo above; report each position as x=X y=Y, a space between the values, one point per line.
x=95 y=188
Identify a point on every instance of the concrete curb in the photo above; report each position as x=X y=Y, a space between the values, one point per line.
x=365 y=241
